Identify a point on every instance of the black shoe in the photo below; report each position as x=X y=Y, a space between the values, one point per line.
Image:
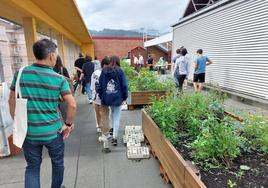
x=111 y=131
x=106 y=150
x=114 y=142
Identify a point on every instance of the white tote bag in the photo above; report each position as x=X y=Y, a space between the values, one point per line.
x=20 y=116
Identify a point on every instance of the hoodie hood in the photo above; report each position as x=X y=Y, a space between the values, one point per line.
x=111 y=72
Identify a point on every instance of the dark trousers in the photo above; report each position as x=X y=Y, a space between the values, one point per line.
x=33 y=156
x=181 y=79
x=83 y=86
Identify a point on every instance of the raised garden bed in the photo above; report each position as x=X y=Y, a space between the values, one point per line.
x=144 y=85
x=228 y=154
x=178 y=171
x=143 y=97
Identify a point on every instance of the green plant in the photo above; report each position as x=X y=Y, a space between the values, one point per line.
x=255 y=132
x=145 y=80
x=163 y=112
x=231 y=184
x=218 y=142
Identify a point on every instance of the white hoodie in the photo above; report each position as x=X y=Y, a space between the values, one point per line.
x=95 y=79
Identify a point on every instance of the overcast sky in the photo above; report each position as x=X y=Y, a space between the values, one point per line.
x=131 y=14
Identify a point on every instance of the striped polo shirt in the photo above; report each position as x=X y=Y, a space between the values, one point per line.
x=43 y=88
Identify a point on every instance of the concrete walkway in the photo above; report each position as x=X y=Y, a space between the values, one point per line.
x=85 y=165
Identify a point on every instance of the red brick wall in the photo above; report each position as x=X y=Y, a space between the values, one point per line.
x=156 y=53
x=136 y=52
x=120 y=46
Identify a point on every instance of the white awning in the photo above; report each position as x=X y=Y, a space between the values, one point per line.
x=159 y=40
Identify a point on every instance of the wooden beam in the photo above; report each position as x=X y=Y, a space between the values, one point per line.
x=88 y=49
x=61 y=48
x=30 y=35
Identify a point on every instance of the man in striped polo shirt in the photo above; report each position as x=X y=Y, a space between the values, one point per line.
x=43 y=88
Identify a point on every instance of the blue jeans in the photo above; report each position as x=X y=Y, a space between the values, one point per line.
x=115 y=116
x=33 y=156
x=88 y=90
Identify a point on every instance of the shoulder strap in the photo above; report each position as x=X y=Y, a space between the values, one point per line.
x=17 y=87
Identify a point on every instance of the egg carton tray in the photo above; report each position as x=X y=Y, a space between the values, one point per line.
x=133 y=138
x=138 y=152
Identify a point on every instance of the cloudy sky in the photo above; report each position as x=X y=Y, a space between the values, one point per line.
x=131 y=14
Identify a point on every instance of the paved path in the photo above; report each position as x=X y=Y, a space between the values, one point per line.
x=85 y=165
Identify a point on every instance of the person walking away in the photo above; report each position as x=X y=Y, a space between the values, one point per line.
x=182 y=68
x=42 y=87
x=60 y=69
x=97 y=64
x=78 y=65
x=87 y=71
x=101 y=111
x=175 y=77
x=200 y=70
x=150 y=63
x=113 y=90
x=141 y=60
x=136 y=63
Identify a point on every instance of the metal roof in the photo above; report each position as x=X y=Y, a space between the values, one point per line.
x=195 y=5
x=196 y=8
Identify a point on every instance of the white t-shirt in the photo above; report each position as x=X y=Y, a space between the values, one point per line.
x=95 y=79
x=136 y=60
x=141 y=61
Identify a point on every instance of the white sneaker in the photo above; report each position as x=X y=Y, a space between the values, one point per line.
x=98 y=130
x=102 y=138
x=90 y=101
x=105 y=141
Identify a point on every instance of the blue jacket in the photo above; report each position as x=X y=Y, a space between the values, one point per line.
x=88 y=69
x=112 y=88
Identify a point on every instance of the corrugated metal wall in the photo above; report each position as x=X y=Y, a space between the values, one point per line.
x=235 y=37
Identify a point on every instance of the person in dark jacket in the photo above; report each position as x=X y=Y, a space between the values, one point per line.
x=60 y=69
x=150 y=62
x=87 y=71
x=78 y=65
x=113 y=90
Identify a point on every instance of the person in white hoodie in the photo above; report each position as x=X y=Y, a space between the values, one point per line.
x=181 y=69
x=101 y=111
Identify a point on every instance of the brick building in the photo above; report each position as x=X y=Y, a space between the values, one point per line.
x=156 y=53
x=120 y=46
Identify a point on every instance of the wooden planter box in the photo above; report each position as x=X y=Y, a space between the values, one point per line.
x=178 y=171
x=143 y=97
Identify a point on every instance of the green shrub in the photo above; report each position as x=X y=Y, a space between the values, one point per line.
x=217 y=143
x=194 y=117
x=145 y=80
x=164 y=113
x=255 y=132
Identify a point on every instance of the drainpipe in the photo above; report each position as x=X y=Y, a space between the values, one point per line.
x=2 y=78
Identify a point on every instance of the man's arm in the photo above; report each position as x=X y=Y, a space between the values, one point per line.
x=209 y=62
x=195 y=65
x=78 y=69
x=12 y=103
x=81 y=76
x=71 y=107
x=71 y=112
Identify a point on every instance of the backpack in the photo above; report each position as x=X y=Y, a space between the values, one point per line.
x=112 y=94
